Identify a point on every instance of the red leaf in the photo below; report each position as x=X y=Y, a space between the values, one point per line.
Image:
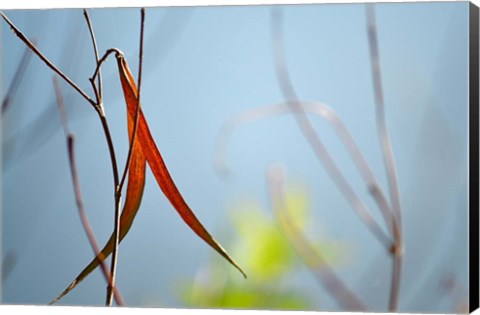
x=136 y=183
x=157 y=165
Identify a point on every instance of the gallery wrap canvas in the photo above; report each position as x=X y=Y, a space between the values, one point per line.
x=300 y=157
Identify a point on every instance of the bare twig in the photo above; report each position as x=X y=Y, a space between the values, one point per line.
x=388 y=158
x=76 y=185
x=99 y=93
x=103 y=59
x=307 y=129
x=127 y=163
x=45 y=59
x=311 y=257
x=117 y=192
x=17 y=78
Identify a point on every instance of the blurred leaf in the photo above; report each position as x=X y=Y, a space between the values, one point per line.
x=265 y=254
x=243 y=297
x=261 y=247
x=297 y=201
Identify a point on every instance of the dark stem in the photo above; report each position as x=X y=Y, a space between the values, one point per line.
x=99 y=94
x=117 y=195
x=76 y=185
x=127 y=166
x=117 y=191
x=103 y=59
x=111 y=288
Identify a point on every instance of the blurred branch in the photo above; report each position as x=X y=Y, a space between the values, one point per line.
x=315 y=108
x=8 y=264
x=454 y=289
x=17 y=79
x=310 y=256
x=76 y=184
x=388 y=158
x=308 y=131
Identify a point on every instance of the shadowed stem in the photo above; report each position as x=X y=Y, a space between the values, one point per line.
x=310 y=134
x=311 y=257
x=76 y=185
x=397 y=248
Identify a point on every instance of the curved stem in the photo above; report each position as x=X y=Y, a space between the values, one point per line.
x=311 y=257
x=308 y=131
x=310 y=107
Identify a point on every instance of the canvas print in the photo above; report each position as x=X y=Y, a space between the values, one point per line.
x=268 y=157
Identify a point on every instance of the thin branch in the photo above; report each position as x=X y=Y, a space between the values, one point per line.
x=45 y=59
x=380 y=113
x=129 y=158
x=111 y=148
x=61 y=107
x=310 y=256
x=316 y=108
x=117 y=192
x=98 y=106
x=103 y=59
x=310 y=134
x=76 y=185
x=17 y=79
x=99 y=93
x=388 y=158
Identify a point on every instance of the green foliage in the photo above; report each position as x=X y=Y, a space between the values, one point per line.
x=266 y=256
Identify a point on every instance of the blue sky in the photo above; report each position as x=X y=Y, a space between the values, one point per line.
x=203 y=66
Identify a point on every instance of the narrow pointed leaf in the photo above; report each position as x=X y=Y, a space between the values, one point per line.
x=135 y=186
x=157 y=165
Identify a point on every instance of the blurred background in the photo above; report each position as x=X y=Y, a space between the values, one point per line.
x=203 y=66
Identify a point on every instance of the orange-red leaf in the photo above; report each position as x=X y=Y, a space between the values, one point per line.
x=157 y=165
x=135 y=186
